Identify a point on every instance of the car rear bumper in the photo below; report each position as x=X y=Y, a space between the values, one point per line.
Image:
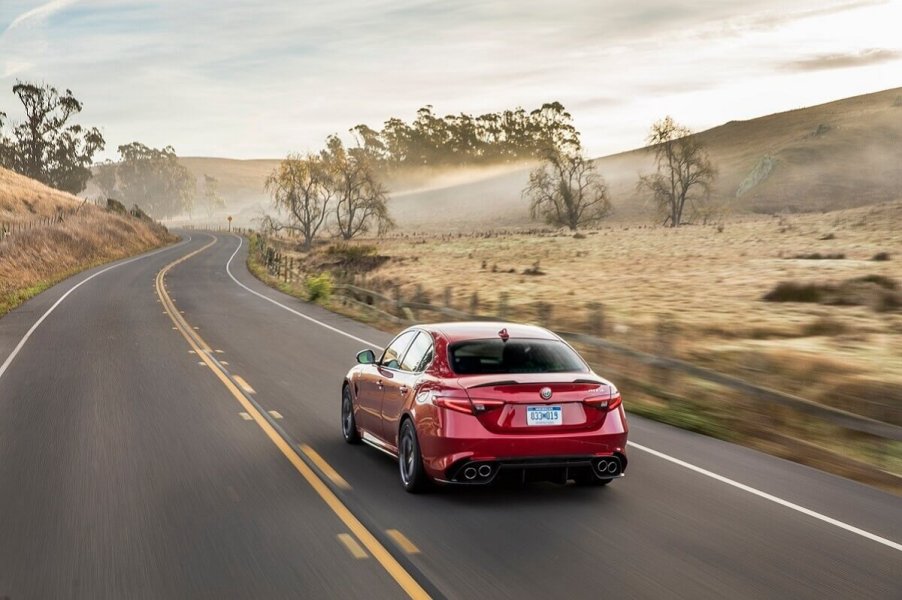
x=546 y=455
x=542 y=468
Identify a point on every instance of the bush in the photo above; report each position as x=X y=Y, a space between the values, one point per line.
x=319 y=287
x=793 y=291
x=819 y=256
x=880 y=256
x=115 y=206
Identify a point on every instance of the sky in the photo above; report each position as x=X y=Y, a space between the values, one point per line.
x=259 y=79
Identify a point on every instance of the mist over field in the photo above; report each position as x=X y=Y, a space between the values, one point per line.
x=838 y=155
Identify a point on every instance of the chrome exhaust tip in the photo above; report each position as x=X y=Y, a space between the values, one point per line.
x=470 y=473
x=613 y=467
x=601 y=466
x=485 y=470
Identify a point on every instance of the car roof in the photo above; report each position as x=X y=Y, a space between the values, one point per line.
x=476 y=330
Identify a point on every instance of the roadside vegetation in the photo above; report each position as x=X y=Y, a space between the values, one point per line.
x=35 y=258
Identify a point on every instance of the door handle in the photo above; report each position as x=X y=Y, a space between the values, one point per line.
x=403 y=389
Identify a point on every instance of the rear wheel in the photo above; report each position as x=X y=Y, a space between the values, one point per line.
x=410 y=461
x=348 y=423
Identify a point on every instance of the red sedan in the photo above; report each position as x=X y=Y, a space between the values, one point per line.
x=466 y=403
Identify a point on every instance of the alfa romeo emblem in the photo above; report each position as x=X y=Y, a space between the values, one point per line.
x=545 y=393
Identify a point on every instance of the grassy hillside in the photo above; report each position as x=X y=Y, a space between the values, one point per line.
x=842 y=154
x=33 y=259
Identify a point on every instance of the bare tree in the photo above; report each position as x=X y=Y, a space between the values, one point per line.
x=300 y=187
x=361 y=199
x=684 y=174
x=212 y=200
x=567 y=191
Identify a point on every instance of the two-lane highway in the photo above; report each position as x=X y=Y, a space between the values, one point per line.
x=129 y=468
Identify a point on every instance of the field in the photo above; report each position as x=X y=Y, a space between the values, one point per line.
x=705 y=287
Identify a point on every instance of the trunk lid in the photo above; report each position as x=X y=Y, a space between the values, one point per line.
x=515 y=403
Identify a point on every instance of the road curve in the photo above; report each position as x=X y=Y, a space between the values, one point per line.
x=127 y=469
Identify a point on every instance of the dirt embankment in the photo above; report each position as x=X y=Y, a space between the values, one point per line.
x=52 y=236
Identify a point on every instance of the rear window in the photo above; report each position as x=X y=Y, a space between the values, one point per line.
x=494 y=356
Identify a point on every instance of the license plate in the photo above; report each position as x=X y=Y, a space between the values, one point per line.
x=544 y=415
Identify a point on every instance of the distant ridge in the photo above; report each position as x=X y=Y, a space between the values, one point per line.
x=836 y=155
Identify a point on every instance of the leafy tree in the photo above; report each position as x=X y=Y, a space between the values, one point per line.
x=360 y=199
x=685 y=173
x=507 y=136
x=154 y=180
x=212 y=200
x=104 y=178
x=300 y=186
x=45 y=146
x=567 y=191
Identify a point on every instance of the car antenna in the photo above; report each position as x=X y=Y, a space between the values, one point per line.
x=504 y=335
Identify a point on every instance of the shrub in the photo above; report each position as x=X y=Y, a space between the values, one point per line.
x=319 y=287
x=794 y=291
x=881 y=280
x=819 y=256
x=115 y=206
x=880 y=256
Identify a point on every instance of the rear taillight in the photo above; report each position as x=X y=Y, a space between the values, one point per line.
x=456 y=404
x=452 y=399
x=486 y=405
x=608 y=401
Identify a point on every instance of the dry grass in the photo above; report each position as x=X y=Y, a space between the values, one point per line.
x=33 y=260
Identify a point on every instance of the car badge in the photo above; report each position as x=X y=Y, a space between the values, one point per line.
x=545 y=393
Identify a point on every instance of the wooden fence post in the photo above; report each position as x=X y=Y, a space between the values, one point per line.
x=446 y=297
x=474 y=304
x=503 y=305
x=543 y=313
x=664 y=347
x=595 y=319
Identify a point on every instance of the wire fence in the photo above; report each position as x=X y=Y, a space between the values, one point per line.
x=13 y=228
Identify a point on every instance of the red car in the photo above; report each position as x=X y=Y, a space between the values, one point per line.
x=465 y=403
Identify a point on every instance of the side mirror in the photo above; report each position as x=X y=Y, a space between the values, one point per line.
x=366 y=357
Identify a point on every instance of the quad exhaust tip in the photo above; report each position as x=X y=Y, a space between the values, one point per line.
x=607 y=467
x=478 y=472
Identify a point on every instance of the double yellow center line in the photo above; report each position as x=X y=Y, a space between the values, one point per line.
x=369 y=541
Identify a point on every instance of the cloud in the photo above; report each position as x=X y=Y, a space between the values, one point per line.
x=39 y=13
x=845 y=60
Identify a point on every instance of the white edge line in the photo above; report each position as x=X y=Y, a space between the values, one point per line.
x=770 y=497
x=291 y=310
x=677 y=461
x=21 y=344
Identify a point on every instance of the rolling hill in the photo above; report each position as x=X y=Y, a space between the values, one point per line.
x=38 y=252
x=841 y=154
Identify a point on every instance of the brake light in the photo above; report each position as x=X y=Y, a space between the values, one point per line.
x=487 y=405
x=458 y=404
x=608 y=401
x=450 y=398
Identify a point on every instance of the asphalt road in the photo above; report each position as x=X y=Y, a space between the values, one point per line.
x=135 y=464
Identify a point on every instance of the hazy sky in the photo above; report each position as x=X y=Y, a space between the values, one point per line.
x=261 y=78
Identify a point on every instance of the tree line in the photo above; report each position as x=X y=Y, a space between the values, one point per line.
x=50 y=147
x=463 y=139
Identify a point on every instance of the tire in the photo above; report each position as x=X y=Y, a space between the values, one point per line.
x=410 y=461
x=348 y=423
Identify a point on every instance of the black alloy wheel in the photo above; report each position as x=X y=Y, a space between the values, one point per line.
x=348 y=424
x=410 y=461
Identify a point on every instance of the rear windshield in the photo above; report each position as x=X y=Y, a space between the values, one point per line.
x=494 y=356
